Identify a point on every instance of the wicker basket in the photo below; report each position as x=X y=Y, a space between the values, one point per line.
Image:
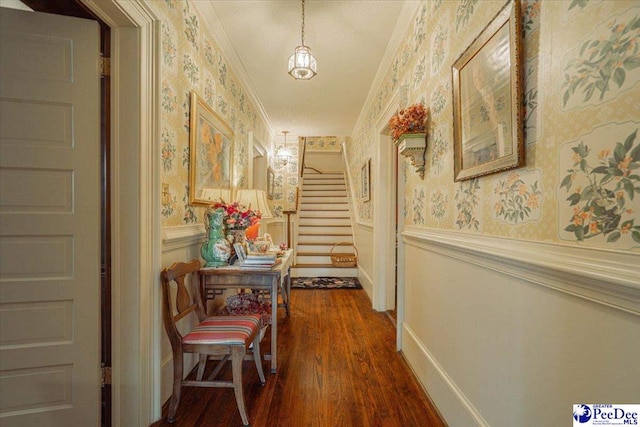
x=344 y=260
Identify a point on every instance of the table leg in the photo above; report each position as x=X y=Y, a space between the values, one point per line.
x=288 y=289
x=274 y=322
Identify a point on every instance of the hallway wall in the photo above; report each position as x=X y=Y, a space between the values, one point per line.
x=193 y=60
x=517 y=304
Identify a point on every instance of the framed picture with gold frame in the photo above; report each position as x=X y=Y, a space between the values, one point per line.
x=487 y=99
x=210 y=153
x=271 y=183
x=365 y=181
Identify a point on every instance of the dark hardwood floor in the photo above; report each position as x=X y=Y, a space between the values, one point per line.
x=337 y=366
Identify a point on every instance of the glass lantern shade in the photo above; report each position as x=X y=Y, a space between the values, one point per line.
x=302 y=64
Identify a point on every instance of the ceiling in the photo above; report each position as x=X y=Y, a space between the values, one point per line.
x=348 y=38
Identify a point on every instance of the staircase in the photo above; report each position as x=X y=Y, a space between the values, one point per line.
x=323 y=221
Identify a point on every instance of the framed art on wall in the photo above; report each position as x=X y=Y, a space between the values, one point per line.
x=271 y=183
x=487 y=99
x=365 y=181
x=210 y=153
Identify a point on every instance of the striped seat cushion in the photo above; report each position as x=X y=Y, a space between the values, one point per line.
x=227 y=330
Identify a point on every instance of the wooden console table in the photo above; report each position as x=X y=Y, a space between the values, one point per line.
x=215 y=280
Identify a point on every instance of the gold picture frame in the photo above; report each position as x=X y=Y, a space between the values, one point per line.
x=210 y=153
x=365 y=181
x=271 y=183
x=487 y=99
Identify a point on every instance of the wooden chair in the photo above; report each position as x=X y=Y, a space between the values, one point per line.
x=223 y=336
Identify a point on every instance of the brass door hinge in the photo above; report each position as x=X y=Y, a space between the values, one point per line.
x=105 y=66
x=106 y=376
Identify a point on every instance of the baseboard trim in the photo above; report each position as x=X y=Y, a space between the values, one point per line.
x=434 y=377
x=366 y=281
x=603 y=276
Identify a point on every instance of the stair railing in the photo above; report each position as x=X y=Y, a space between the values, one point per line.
x=304 y=151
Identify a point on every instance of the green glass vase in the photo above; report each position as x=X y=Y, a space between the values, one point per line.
x=216 y=250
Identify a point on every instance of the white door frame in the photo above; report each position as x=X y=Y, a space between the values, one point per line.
x=135 y=204
x=383 y=213
x=384 y=236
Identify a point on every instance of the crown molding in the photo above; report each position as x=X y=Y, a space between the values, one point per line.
x=404 y=21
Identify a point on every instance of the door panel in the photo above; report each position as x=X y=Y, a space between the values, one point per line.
x=49 y=220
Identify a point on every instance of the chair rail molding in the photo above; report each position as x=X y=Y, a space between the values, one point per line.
x=603 y=276
x=182 y=236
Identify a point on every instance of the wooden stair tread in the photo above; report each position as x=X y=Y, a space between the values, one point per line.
x=325 y=234
x=312 y=266
x=316 y=244
x=322 y=225
x=324 y=203
x=323 y=217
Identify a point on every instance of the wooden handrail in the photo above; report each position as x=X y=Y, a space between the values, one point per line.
x=316 y=170
x=304 y=150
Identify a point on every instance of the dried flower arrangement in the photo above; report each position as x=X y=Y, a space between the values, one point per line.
x=246 y=303
x=410 y=120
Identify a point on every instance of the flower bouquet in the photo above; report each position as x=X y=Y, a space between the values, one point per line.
x=238 y=220
x=238 y=216
x=410 y=120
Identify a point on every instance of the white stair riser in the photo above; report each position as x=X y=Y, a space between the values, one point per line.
x=326 y=248
x=313 y=259
x=323 y=239
x=308 y=175
x=321 y=231
x=324 y=200
x=324 y=272
x=307 y=207
x=324 y=187
x=322 y=214
x=324 y=193
x=327 y=222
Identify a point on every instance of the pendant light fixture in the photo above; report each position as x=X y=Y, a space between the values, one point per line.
x=284 y=155
x=302 y=64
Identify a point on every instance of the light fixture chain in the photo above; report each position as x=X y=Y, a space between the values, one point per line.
x=302 y=22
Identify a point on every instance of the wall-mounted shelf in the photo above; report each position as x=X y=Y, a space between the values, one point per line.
x=413 y=145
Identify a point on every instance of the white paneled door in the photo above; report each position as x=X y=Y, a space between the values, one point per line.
x=49 y=220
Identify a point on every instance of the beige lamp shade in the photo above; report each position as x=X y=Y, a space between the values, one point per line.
x=254 y=199
x=214 y=195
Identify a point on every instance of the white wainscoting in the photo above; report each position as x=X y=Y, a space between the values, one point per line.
x=363 y=234
x=504 y=332
x=181 y=243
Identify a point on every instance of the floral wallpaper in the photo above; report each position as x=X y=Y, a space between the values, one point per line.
x=323 y=143
x=580 y=183
x=192 y=60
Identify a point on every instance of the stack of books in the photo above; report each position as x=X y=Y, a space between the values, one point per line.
x=259 y=260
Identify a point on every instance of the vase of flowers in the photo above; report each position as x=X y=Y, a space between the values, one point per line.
x=411 y=120
x=237 y=218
